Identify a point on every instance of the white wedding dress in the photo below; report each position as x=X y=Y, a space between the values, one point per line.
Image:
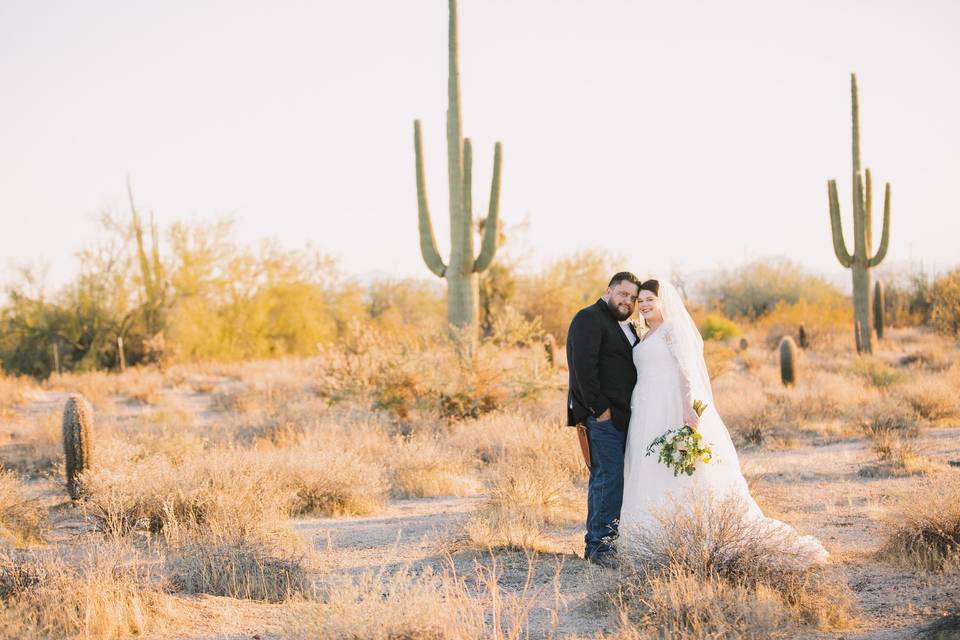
x=671 y=374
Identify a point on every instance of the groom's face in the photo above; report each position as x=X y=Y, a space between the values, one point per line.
x=621 y=299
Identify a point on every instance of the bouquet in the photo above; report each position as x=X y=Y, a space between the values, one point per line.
x=681 y=449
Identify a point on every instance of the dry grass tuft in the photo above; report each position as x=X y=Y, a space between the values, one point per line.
x=331 y=483
x=111 y=592
x=430 y=605
x=524 y=499
x=679 y=605
x=893 y=435
x=23 y=520
x=708 y=570
x=875 y=371
x=424 y=466
x=140 y=384
x=934 y=398
x=13 y=392
x=37 y=449
x=252 y=570
x=927 y=535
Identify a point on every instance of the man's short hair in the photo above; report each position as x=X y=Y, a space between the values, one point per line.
x=624 y=275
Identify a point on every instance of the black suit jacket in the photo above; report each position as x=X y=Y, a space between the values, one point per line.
x=600 y=360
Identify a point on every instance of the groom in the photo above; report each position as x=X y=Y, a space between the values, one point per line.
x=602 y=375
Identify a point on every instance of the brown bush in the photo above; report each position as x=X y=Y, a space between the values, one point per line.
x=23 y=519
x=428 y=604
x=758 y=577
x=525 y=497
x=237 y=568
x=425 y=466
x=113 y=591
x=927 y=533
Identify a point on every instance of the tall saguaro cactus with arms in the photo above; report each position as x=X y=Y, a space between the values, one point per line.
x=862 y=259
x=463 y=267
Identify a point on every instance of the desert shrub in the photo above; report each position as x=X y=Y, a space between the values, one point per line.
x=756 y=575
x=933 y=398
x=754 y=290
x=760 y=418
x=476 y=387
x=424 y=466
x=407 y=308
x=929 y=360
x=112 y=591
x=716 y=327
x=13 y=391
x=23 y=519
x=518 y=438
x=510 y=328
x=719 y=360
x=328 y=482
x=142 y=384
x=234 y=490
x=822 y=320
x=677 y=604
x=524 y=498
x=564 y=287
x=429 y=604
x=927 y=534
x=890 y=416
x=875 y=371
x=38 y=447
x=237 y=568
x=893 y=430
x=945 y=304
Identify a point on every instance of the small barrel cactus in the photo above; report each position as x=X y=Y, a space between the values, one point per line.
x=744 y=344
x=77 y=427
x=878 y=301
x=802 y=336
x=788 y=361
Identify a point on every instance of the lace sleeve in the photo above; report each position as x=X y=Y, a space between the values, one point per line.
x=679 y=352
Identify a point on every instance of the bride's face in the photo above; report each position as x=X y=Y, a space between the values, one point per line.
x=649 y=305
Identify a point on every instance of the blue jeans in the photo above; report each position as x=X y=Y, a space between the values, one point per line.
x=605 y=490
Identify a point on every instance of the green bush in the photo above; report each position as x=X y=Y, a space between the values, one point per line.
x=717 y=327
x=754 y=289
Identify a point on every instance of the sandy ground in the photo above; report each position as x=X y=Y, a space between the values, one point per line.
x=815 y=488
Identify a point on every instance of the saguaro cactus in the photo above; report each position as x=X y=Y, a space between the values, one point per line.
x=878 y=304
x=862 y=259
x=77 y=424
x=788 y=361
x=463 y=267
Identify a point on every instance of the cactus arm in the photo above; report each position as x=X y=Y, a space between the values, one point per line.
x=468 y=178
x=141 y=253
x=855 y=117
x=839 y=245
x=428 y=242
x=885 y=238
x=868 y=210
x=492 y=230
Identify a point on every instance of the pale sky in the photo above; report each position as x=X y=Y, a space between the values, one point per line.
x=678 y=134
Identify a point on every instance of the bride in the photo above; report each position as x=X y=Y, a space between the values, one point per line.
x=671 y=374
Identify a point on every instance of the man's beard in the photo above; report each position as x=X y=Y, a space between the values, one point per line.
x=615 y=310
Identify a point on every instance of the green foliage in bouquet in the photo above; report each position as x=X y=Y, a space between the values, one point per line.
x=681 y=449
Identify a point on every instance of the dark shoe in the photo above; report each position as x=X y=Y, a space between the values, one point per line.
x=606 y=559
